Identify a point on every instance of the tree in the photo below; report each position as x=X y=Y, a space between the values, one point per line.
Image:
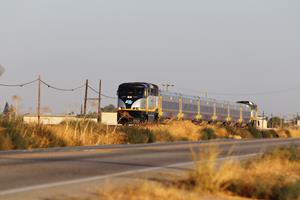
x=2 y=70
x=109 y=108
x=9 y=112
x=274 y=122
x=6 y=109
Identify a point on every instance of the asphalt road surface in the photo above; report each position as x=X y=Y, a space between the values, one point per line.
x=75 y=172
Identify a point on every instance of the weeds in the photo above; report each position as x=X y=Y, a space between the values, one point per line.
x=207 y=134
x=15 y=134
x=138 y=135
x=274 y=176
x=18 y=135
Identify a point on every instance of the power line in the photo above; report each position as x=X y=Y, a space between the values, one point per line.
x=103 y=95
x=19 y=85
x=62 y=89
x=247 y=94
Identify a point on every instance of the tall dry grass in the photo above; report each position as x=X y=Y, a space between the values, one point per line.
x=295 y=133
x=271 y=176
x=208 y=175
x=147 y=191
x=78 y=133
x=14 y=134
x=176 y=130
x=274 y=176
x=187 y=130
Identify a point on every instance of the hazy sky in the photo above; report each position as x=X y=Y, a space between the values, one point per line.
x=218 y=46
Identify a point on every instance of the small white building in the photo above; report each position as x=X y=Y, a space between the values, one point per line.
x=262 y=123
x=298 y=123
x=107 y=119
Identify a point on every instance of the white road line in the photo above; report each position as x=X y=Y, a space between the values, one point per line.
x=96 y=178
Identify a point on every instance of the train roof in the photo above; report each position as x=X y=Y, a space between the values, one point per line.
x=174 y=94
x=138 y=83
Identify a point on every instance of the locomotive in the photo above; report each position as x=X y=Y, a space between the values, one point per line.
x=144 y=102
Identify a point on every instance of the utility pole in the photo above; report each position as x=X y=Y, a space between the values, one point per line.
x=99 y=103
x=39 y=100
x=167 y=86
x=263 y=120
x=85 y=96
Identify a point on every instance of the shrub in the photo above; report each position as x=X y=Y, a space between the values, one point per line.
x=255 y=132
x=162 y=135
x=27 y=136
x=291 y=153
x=289 y=192
x=5 y=142
x=269 y=134
x=274 y=176
x=208 y=175
x=138 y=135
x=207 y=134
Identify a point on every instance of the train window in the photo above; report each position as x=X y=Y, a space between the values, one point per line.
x=154 y=91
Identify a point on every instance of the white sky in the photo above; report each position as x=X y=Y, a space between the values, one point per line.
x=232 y=46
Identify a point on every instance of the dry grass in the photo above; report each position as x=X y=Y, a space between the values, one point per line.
x=14 y=134
x=86 y=133
x=186 y=130
x=274 y=176
x=177 y=130
x=295 y=133
x=208 y=176
x=148 y=191
x=271 y=176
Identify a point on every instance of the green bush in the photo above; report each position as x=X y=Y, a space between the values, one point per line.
x=163 y=136
x=269 y=134
x=207 y=134
x=5 y=142
x=264 y=190
x=289 y=192
x=276 y=189
x=255 y=132
x=138 y=135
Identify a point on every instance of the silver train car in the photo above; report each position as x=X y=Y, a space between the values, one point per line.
x=142 y=102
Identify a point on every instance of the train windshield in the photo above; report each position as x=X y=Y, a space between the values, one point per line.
x=131 y=90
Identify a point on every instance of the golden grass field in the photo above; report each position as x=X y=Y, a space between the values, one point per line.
x=274 y=176
x=14 y=134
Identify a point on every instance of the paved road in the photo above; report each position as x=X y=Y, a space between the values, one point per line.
x=46 y=173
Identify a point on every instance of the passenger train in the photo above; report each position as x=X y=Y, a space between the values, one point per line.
x=143 y=102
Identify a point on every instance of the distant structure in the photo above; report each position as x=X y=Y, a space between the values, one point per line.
x=261 y=122
x=298 y=123
x=2 y=70
x=108 y=118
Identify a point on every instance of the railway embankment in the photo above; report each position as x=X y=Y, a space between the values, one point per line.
x=15 y=134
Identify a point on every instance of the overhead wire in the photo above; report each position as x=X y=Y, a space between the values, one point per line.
x=19 y=85
x=103 y=95
x=246 y=94
x=62 y=89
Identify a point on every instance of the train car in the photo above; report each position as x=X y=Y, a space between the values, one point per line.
x=141 y=102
